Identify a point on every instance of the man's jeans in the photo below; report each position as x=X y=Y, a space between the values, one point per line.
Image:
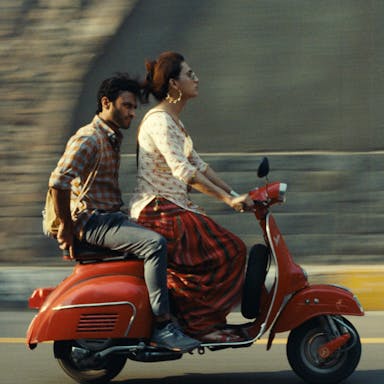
x=115 y=231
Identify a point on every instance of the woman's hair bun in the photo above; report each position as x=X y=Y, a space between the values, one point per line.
x=159 y=72
x=150 y=66
x=148 y=83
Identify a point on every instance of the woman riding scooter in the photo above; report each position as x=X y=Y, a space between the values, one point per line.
x=205 y=261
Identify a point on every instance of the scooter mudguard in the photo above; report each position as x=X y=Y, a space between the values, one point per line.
x=106 y=300
x=315 y=300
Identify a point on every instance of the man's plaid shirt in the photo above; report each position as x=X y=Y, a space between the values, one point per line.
x=78 y=160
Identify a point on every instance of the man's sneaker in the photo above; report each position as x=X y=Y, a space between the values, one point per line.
x=171 y=337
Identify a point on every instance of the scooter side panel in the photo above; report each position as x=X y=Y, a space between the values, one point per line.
x=103 y=307
x=315 y=300
x=85 y=272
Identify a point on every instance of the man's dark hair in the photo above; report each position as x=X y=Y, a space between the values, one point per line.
x=113 y=86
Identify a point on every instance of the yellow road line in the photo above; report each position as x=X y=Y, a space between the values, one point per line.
x=372 y=340
x=12 y=340
x=364 y=340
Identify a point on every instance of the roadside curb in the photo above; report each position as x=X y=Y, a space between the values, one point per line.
x=365 y=281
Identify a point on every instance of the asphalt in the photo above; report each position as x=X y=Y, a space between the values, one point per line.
x=365 y=281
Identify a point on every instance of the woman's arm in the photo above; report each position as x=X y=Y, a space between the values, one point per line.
x=203 y=184
x=211 y=175
x=170 y=141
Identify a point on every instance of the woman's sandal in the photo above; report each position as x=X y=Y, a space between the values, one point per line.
x=237 y=329
x=221 y=336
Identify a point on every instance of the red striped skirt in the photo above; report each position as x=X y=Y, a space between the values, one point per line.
x=205 y=265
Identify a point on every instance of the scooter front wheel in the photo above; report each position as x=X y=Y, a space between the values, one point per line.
x=84 y=369
x=305 y=342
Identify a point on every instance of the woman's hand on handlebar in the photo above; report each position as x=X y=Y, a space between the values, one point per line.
x=242 y=203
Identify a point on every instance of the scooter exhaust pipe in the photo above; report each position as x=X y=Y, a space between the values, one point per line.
x=140 y=352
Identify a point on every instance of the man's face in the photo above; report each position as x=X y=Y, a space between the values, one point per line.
x=121 y=112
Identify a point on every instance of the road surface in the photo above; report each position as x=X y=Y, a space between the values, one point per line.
x=241 y=366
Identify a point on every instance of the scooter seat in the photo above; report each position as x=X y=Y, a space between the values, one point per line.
x=85 y=252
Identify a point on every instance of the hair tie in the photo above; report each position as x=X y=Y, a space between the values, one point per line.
x=150 y=70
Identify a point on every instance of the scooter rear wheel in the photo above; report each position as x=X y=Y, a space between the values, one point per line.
x=302 y=352
x=87 y=372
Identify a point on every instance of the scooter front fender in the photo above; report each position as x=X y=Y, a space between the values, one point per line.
x=101 y=307
x=315 y=300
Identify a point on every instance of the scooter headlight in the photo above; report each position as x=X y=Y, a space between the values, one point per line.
x=282 y=192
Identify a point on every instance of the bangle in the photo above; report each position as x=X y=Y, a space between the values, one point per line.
x=233 y=193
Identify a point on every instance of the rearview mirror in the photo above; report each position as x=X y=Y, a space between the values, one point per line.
x=263 y=169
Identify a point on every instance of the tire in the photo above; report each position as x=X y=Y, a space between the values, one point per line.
x=257 y=266
x=302 y=346
x=92 y=372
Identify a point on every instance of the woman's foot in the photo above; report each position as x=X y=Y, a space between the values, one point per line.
x=221 y=336
x=237 y=329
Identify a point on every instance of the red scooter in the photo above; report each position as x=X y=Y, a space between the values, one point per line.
x=100 y=316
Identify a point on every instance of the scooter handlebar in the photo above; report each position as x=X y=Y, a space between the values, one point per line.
x=269 y=194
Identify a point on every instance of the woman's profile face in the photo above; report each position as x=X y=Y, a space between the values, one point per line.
x=188 y=82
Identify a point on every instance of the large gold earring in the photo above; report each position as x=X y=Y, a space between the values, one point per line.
x=173 y=100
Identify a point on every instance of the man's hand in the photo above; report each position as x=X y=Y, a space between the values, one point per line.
x=65 y=233
x=65 y=238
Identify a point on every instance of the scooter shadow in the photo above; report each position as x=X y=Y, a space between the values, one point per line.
x=281 y=377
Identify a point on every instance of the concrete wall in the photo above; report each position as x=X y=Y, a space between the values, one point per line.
x=45 y=51
x=299 y=81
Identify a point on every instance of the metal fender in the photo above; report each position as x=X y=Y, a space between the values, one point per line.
x=112 y=306
x=315 y=300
